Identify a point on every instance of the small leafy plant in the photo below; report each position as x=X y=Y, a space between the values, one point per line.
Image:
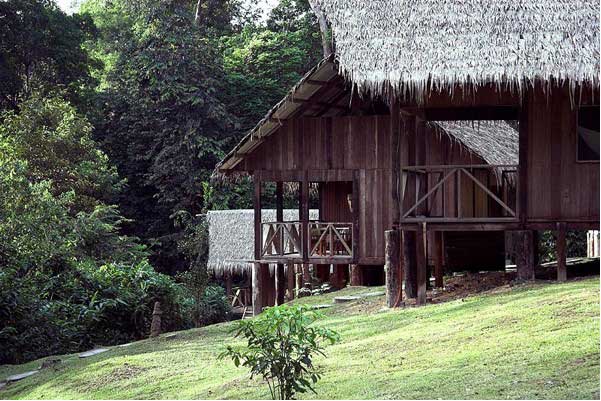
x=280 y=348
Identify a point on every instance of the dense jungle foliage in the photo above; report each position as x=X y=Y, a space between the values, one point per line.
x=111 y=122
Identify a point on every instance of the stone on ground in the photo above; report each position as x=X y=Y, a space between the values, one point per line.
x=21 y=376
x=93 y=352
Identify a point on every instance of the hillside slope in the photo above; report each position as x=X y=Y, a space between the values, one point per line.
x=533 y=341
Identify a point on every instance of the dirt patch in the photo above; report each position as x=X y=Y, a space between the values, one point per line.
x=120 y=373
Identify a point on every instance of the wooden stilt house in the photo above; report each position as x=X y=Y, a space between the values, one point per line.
x=365 y=125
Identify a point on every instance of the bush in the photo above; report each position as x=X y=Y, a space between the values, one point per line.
x=85 y=305
x=280 y=348
x=213 y=306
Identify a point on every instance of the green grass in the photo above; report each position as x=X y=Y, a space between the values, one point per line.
x=534 y=341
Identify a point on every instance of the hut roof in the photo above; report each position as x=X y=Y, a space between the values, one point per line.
x=231 y=237
x=495 y=141
x=408 y=45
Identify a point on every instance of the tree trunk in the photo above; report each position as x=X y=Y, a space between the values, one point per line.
x=323 y=29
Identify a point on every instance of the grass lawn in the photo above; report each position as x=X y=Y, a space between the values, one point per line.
x=531 y=341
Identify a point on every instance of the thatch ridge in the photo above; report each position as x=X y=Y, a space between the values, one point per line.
x=408 y=46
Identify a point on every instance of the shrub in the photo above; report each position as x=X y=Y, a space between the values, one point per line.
x=213 y=306
x=280 y=348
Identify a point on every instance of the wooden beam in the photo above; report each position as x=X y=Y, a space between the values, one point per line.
x=392 y=268
x=469 y=113
x=562 y=273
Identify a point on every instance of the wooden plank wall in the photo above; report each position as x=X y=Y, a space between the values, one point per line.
x=559 y=188
x=332 y=148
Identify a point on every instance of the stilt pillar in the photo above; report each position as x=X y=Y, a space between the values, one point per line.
x=438 y=257
x=280 y=284
x=355 y=275
x=523 y=242
x=298 y=275
x=409 y=263
x=290 y=279
x=421 y=264
x=392 y=268
x=306 y=275
x=562 y=273
x=257 y=296
x=228 y=283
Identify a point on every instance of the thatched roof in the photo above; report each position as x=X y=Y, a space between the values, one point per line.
x=231 y=238
x=410 y=44
x=494 y=141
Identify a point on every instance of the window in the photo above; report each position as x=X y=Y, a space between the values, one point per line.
x=588 y=133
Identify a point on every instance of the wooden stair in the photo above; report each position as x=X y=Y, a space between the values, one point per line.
x=248 y=312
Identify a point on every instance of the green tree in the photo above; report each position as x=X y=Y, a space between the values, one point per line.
x=163 y=122
x=56 y=143
x=41 y=49
x=281 y=344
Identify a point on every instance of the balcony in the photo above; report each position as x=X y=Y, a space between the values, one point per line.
x=327 y=242
x=459 y=194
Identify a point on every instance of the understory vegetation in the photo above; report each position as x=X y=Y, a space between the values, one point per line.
x=533 y=341
x=111 y=122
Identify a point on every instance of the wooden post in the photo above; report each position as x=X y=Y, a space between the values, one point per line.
x=257 y=282
x=523 y=242
x=421 y=262
x=299 y=278
x=290 y=276
x=257 y=217
x=257 y=296
x=409 y=263
x=522 y=191
x=562 y=273
x=155 y=325
x=304 y=216
x=280 y=281
x=228 y=283
x=355 y=275
x=280 y=284
x=356 y=211
x=395 y=138
x=392 y=268
x=438 y=257
x=306 y=275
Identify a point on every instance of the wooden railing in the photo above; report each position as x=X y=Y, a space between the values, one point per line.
x=282 y=238
x=459 y=193
x=330 y=240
